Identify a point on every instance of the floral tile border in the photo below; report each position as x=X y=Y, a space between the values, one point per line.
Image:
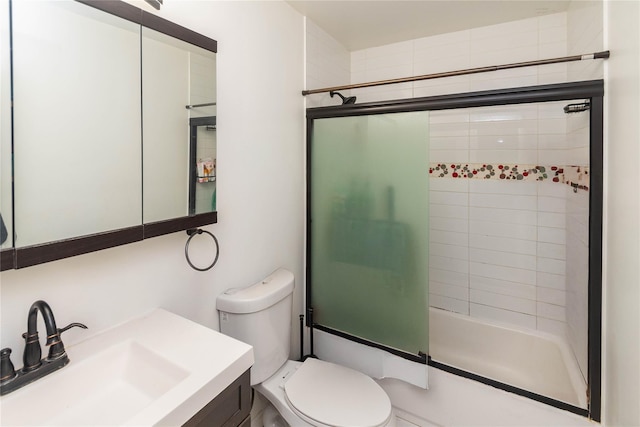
x=575 y=176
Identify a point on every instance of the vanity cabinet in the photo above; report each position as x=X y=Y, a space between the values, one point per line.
x=229 y=409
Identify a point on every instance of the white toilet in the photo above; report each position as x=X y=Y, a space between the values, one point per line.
x=309 y=393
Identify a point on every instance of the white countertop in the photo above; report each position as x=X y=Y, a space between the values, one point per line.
x=156 y=369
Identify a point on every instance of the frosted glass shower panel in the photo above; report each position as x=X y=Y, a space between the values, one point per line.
x=77 y=136
x=369 y=227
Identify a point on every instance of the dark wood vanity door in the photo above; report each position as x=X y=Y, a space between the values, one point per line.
x=229 y=409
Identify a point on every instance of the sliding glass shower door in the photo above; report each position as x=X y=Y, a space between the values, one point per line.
x=369 y=228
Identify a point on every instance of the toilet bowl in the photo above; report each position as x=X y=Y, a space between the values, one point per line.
x=310 y=393
x=322 y=394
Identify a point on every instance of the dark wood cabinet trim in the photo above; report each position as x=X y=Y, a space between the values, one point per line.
x=53 y=251
x=179 y=32
x=38 y=254
x=160 y=228
x=131 y=13
x=7 y=259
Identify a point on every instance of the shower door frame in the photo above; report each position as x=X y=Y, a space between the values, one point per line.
x=592 y=90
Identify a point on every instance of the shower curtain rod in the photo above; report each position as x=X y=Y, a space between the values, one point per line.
x=596 y=55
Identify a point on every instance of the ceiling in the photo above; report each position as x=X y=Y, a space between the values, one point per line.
x=360 y=24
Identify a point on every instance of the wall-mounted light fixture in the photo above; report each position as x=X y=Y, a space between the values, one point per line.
x=155 y=3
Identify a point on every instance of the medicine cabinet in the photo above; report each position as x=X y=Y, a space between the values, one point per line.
x=103 y=93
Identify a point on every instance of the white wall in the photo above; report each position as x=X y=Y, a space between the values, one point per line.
x=328 y=64
x=621 y=382
x=260 y=191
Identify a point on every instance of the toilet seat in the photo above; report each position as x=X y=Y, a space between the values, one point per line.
x=326 y=394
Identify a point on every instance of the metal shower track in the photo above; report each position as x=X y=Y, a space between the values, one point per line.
x=573 y=58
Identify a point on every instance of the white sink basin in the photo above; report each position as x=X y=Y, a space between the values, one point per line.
x=156 y=369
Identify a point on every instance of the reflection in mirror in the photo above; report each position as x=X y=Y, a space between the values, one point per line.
x=6 y=210
x=202 y=153
x=77 y=133
x=178 y=78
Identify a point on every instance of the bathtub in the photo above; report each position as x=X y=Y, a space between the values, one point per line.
x=531 y=360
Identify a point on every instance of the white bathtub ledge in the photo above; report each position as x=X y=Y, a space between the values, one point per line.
x=456 y=401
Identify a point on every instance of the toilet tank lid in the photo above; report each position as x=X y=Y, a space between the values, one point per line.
x=267 y=292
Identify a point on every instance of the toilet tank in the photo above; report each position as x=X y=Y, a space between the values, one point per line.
x=260 y=315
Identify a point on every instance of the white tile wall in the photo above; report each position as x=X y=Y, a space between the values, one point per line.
x=523 y=40
x=498 y=248
x=505 y=259
x=451 y=291
x=504 y=302
x=451 y=304
x=517 y=275
x=548 y=280
x=506 y=216
x=449 y=251
x=585 y=35
x=503 y=287
x=448 y=238
x=551 y=250
x=503 y=244
x=526 y=188
x=503 y=316
x=503 y=201
x=577 y=270
x=456 y=278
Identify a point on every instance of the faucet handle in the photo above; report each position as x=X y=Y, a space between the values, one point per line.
x=56 y=349
x=71 y=325
x=7 y=371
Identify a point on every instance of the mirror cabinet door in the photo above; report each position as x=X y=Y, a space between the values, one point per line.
x=6 y=208
x=177 y=78
x=77 y=130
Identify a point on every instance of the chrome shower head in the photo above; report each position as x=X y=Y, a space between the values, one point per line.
x=345 y=101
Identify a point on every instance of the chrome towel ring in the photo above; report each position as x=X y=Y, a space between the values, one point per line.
x=192 y=233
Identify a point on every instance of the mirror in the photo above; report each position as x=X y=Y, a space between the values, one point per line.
x=100 y=139
x=77 y=137
x=6 y=208
x=184 y=90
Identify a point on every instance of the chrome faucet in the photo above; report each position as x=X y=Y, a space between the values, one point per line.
x=35 y=367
